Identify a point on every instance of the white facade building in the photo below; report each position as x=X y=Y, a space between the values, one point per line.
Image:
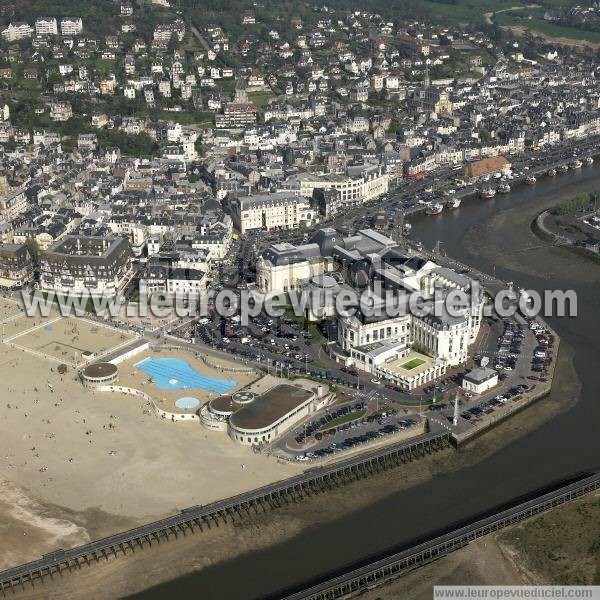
x=282 y=210
x=17 y=31
x=284 y=267
x=480 y=380
x=71 y=26
x=46 y=26
x=360 y=185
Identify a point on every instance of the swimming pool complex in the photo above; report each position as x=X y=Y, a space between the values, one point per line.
x=177 y=374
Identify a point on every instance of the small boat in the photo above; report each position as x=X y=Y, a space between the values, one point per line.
x=589 y=161
x=552 y=173
x=504 y=188
x=530 y=180
x=562 y=168
x=488 y=193
x=434 y=209
x=453 y=203
x=576 y=164
x=407 y=228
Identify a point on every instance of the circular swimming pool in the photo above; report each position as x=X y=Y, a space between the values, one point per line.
x=187 y=403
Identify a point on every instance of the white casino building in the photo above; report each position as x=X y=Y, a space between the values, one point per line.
x=408 y=349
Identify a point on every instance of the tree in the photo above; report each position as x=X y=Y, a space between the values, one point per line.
x=34 y=251
x=485 y=136
x=173 y=44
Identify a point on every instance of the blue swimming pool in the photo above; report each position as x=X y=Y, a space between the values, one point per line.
x=177 y=374
x=187 y=403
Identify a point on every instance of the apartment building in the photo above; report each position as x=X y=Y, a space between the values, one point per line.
x=46 y=26
x=80 y=264
x=61 y=111
x=236 y=115
x=16 y=265
x=281 y=210
x=360 y=183
x=71 y=26
x=17 y=31
x=13 y=202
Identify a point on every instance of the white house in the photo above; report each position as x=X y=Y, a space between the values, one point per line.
x=480 y=380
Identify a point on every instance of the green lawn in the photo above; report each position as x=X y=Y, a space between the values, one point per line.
x=351 y=416
x=260 y=99
x=317 y=336
x=185 y=117
x=537 y=24
x=412 y=364
x=466 y=10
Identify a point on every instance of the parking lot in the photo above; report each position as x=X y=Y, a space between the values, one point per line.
x=287 y=346
x=518 y=359
x=280 y=344
x=347 y=426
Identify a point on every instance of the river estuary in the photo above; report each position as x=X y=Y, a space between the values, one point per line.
x=487 y=234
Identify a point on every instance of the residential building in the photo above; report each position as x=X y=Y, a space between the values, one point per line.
x=71 y=26
x=17 y=31
x=79 y=264
x=61 y=110
x=282 y=210
x=360 y=184
x=46 y=26
x=16 y=265
x=236 y=115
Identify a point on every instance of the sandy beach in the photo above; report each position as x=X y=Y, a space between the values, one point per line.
x=77 y=464
x=127 y=575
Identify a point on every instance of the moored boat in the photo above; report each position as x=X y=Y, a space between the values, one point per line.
x=434 y=209
x=453 y=203
x=488 y=193
x=589 y=161
x=562 y=168
x=552 y=173
x=504 y=188
x=530 y=180
x=576 y=164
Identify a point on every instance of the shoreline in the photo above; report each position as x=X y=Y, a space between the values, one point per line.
x=184 y=557
x=565 y=395
x=542 y=233
x=292 y=521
